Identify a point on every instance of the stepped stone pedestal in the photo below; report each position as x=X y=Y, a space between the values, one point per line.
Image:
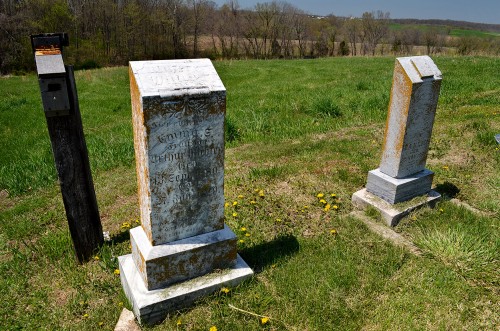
x=182 y=250
x=402 y=175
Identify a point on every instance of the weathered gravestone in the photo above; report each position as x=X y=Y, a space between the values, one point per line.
x=182 y=250
x=402 y=174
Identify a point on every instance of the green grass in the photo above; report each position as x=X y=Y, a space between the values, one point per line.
x=472 y=33
x=294 y=129
x=454 y=32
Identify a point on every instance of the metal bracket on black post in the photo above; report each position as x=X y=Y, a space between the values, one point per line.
x=62 y=112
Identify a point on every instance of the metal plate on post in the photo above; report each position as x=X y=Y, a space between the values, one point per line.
x=55 y=99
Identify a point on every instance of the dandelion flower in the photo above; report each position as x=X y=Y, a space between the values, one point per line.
x=226 y=204
x=441 y=210
x=261 y=193
x=327 y=207
x=306 y=207
x=117 y=271
x=243 y=229
x=333 y=231
x=241 y=241
x=320 y=195
x=101 y=323
x=253 y=202
x=225 y=290
x=278 y=220
x=85 y=315
x=323 y=201
x=333 y=195
x=120 y=303
x=137 y=221
x=96 y=258
x=446 y=168
x=179 y=322
x=235 y=214
x=247 y=234
x=335 y=207
x=235 y=203
x=240 y=196
x=126 y=225
x=213 y=328
x=264 y=320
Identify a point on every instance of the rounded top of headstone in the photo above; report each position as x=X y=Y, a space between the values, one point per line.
x=419 y=67
x=176 y=77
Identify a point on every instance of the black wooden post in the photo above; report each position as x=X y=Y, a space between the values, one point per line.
x=60 y=102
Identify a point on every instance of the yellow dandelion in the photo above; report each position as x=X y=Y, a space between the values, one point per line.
x=213 y=328
x=126 y=225
x=323 y=201
x=446 y=168
x=117 y=271
x=235 y=203
x=264 y=320
x=120 y=304
x=235 y=214
x=247 y=234
x=306 y=207
x=101 y=323
x=226 y=204
x=240 y=196
x=261 y=193
x=96 y=258
x=85 y=315
x=225 y=290
x=320 y=195
x=333 y=231
x=253 y=202
x=335 y=207
x=257 y=190
x=333 y=195
x=441 y=210
x=179 y=322
x=241 y=241
x=327 y=207
x=278 y=220
x=243 y=229
x=137 y=221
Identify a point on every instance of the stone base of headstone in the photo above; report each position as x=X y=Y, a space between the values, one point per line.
x=392 y=213
x=395 y=190
x=180 y=260
x=152 y=306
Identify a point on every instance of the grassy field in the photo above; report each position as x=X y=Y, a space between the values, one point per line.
x=294 y=129
x=455 y=32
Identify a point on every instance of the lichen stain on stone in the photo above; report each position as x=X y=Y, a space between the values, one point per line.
x=142 y=171
x=400 y=93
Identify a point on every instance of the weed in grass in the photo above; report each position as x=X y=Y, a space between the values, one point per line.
x=325 y=106
x=270 y=173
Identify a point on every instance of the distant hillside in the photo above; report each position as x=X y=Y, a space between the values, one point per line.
x=451 y=23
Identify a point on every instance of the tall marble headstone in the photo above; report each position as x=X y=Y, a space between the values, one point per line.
x=178 y=111
x=402 y=174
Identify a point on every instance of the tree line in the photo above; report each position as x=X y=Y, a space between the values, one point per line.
x=113 y=32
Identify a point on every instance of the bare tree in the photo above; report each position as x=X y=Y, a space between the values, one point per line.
x=374 y=27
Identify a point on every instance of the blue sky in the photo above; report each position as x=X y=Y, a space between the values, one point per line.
x=481 y=11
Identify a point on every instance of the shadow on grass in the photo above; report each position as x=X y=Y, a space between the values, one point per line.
x=119 y=238
x=268 y=253
x=447 y=190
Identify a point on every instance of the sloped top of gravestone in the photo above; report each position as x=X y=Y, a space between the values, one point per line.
x=166 y=78
x=419 y=67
